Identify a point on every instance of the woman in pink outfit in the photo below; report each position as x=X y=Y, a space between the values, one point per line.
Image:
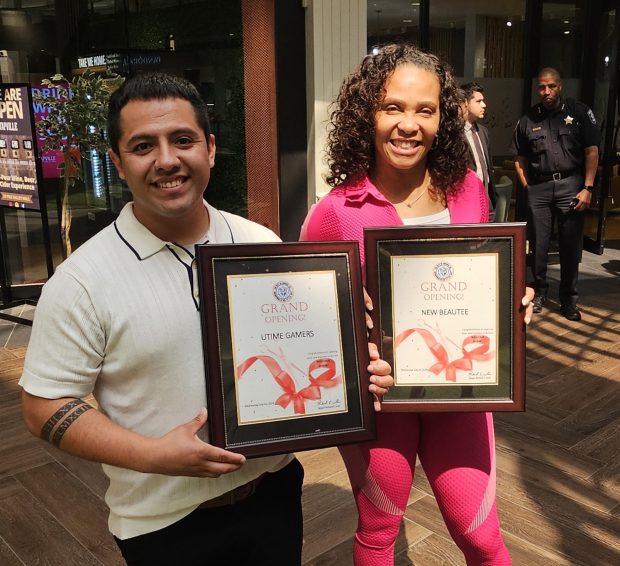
x=397 y=155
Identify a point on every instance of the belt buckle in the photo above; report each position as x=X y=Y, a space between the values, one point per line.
x=557 y=176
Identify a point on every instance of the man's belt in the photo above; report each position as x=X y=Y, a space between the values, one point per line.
x=552 y=176
x=233 y=496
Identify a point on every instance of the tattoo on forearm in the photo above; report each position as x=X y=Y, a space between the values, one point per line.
x=58 y=416
x=71 y=418
x=66 y=416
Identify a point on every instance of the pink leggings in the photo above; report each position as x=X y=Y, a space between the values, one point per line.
x=457 y=452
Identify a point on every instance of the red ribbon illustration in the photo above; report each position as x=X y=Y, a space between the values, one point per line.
x=326 y=378
x=478 y=353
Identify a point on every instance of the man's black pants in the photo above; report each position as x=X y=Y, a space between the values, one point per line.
x=266 y=529
x=544 y=201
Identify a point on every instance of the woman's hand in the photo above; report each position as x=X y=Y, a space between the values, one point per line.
x=527 y=302
x=380 y=378
x=380 y=370
x=368 y=305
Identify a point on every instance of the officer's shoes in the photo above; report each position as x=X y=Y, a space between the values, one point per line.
x=538 y=302
x=571 y=313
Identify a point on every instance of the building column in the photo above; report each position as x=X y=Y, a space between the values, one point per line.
x=475 y=29
x=335 y=44
x=261 y=138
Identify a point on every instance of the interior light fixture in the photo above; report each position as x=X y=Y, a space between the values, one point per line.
x=566 y=32
x=508 y=23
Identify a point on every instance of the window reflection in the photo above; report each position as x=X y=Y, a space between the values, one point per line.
x=200 y=40
x=482 y=40
x=391 y=21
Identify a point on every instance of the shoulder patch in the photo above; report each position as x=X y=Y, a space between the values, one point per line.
x=591 y=116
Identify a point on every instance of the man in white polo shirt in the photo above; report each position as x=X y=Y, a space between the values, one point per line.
x=120 y=319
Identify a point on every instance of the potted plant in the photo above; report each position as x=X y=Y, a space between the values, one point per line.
x=74 y=125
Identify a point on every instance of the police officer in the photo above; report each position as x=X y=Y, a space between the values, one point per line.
x=556 y=156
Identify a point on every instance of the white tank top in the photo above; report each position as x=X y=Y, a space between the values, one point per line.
x=442 y=217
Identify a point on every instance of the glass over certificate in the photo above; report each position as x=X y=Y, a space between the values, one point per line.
x=450 y=335
x=449 y=317
x=285 y=346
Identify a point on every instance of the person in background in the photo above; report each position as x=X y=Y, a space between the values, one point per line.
x=120 y=319
x=397 y=155
x=477 y=136
x=556 y=156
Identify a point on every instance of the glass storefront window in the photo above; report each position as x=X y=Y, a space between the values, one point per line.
x=482 y=40
x=561 y=44
x=200 y=40
x=607 y=185
x=561 y=37
x=390 y=21
x=479 y=38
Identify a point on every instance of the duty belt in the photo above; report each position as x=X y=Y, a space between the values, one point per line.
x=553 y=176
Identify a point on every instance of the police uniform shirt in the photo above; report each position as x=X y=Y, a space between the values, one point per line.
x=553 y=141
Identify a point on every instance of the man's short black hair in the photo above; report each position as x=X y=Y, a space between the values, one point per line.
x=150 y=86
x=550 y=71
x=468 y=90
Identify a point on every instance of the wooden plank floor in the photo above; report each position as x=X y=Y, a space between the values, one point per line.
x=558 y=464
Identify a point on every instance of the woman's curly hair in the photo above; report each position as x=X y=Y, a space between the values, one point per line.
x=350 y=145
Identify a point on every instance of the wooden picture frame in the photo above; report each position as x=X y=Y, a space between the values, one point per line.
x=448 y=315
x=286 y=351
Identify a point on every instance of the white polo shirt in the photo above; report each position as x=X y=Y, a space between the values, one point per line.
x=119 y=319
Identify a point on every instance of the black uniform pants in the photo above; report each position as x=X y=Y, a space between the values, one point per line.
x=266 y=529
x=544 y=201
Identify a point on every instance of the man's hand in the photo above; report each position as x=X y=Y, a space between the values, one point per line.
x=380 y=378
x=92 y=435
x=182 y=453
x=584 y=196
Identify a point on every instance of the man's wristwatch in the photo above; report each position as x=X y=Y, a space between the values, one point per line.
x=588 y=188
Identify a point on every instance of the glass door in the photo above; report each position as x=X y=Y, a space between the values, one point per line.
x=605 y=208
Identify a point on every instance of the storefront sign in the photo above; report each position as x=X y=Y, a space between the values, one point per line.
x=100 y=63
x=19 y=186
x=120 y=63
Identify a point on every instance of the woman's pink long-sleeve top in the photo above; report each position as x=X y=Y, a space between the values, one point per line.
x=345 y=211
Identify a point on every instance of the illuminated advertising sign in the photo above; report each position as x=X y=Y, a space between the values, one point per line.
x=50 y=160
x=19 y=187
x=117 y=63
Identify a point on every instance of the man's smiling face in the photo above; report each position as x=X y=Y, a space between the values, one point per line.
x=166 y=160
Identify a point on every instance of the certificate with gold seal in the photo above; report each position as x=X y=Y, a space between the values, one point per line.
x=285 y=346
x=449 y=314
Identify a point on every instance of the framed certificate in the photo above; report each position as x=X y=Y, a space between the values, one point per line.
x=285 y=346
x=448 y=315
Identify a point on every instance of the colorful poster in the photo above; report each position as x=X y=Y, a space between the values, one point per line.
x=19 y=186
